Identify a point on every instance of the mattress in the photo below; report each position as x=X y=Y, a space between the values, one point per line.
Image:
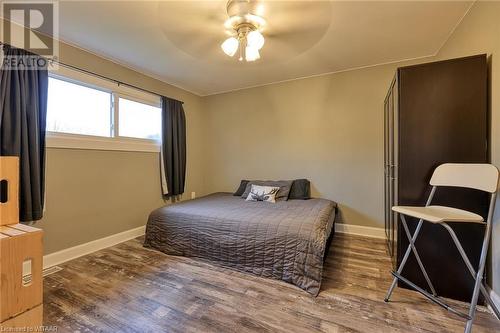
x=283 y=240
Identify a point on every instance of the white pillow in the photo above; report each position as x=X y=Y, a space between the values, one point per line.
x=262 y=193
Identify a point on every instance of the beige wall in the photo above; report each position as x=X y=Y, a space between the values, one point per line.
x=328 y=129
x=92 y=194
x=478 y=33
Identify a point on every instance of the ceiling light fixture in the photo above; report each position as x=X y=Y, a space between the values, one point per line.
x=245 y=25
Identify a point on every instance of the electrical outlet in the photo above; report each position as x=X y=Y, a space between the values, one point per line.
x=193 y=195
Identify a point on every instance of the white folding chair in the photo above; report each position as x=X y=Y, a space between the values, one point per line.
x=482 y=177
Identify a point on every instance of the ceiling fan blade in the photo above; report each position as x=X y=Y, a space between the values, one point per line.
x=282 y=14
x=297 y=31
x=175 y=14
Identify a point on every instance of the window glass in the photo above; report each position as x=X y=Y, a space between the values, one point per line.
x=139 y=120
x=77 y=109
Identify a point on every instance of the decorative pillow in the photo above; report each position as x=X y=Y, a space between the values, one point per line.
x=243 y=185
x=301 y=189
x=262 y=193
x=284 y=185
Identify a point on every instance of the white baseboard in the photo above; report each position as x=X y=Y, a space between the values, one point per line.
x=74 y=252
x=59 y=257
x=359 y=230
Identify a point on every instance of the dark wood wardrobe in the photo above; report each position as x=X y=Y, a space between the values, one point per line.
x=436 y=113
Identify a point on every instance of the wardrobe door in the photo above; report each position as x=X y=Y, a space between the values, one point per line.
x=386 y=171
x=390 y=169
x=388 y=160
x=443 y=118
x=395 y=167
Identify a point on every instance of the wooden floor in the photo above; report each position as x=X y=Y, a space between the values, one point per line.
x=127 y=288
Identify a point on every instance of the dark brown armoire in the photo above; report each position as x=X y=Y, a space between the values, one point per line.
x=436 y=113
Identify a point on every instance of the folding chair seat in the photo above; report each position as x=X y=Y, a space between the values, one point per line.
x=439 y=214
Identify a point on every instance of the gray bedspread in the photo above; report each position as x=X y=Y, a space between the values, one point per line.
x=283 y=240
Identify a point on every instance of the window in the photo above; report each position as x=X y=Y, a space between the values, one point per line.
x=77 y=109
x=139 y=120
x=87 y=112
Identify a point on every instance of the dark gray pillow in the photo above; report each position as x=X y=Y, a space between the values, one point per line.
x=284 y=185
x=301 y=189
x=243 y=185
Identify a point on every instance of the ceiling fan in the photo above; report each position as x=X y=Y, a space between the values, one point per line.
x=245 y=24
x=290 y=28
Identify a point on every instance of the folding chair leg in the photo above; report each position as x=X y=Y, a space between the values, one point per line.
x=419 y=261
x=471 y=269
x=479 y=279
x=405 y=258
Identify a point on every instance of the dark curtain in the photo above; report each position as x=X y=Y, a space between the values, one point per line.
x=173 y=145
x=23 y=111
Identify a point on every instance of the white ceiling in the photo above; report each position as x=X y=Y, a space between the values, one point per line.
x=179 y=41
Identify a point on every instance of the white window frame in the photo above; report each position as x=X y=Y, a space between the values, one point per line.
x=115 y=142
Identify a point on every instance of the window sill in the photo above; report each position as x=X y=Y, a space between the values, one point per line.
x=74 y=141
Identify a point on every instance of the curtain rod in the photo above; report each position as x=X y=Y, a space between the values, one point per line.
x=101 y=76
x=119 y=83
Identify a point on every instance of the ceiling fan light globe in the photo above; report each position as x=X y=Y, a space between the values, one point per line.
x=251 y=53
x=255 y=39
x=230 y=46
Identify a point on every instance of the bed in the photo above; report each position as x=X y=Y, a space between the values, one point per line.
x=285 y=240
